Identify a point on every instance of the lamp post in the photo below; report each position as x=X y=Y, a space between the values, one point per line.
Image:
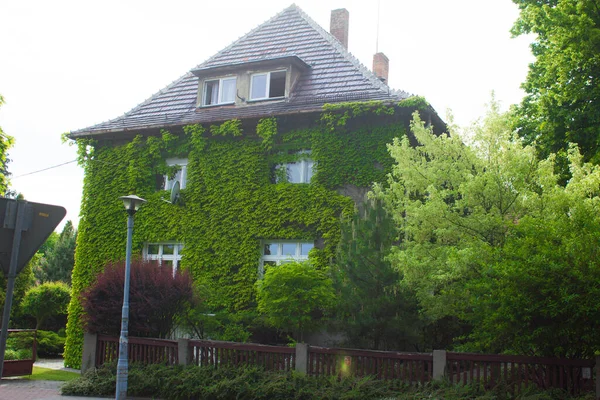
x=132 y=204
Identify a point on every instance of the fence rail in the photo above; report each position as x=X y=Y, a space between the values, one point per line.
x=409 y=367
x=518 y=372
x=216 y=353
x=142 y=350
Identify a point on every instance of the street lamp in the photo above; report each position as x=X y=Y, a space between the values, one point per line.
x=132 y=204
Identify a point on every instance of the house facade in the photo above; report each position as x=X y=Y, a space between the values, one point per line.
x=272 y=140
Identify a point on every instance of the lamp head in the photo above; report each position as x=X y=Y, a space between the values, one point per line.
x=132 y=203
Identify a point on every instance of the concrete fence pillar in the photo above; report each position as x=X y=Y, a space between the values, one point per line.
x=302 y=357
x=88 y=358
x=439 y=365
x=183 y=351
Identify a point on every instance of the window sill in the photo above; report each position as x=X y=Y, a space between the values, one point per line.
x=265 y=99
x=217 y=105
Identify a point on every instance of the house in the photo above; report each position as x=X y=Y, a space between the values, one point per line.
x=271 y=140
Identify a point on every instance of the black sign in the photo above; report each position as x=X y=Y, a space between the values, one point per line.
x=39 y=221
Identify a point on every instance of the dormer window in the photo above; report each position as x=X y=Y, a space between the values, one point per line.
x=219 y=91
x=267 y=85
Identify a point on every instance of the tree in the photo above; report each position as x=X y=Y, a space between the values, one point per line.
x=294 y=296
x=375 y=310
x=563 y=84
x=489 y=236
x=156 y=297
x=6 y=143
x=59 y=258
x=46 y=300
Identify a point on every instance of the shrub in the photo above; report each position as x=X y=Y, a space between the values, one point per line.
x=156 y=296
x=46 y=300
x=50 y=344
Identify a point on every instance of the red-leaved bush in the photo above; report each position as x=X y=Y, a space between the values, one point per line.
x=156 y=296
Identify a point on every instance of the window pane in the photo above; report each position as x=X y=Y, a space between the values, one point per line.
x=152 y=249
x=309 y=170
x=305 y=248
x=179 y=248
x=259 y=86
x=211 y=92
x=277 y=86
x=294 y=172
x=167 y=264
x=289 y=249
x=270 y=249
x=168 y=249
x=228 y=90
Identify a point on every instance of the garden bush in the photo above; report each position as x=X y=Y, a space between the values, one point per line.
x=156 y=297
x=250 y=383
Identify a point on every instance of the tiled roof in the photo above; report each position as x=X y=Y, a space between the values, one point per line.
x=334 y=76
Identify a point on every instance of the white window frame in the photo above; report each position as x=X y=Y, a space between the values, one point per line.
x=160 y=257
x=279 y=258
x=268 y=84
x=181 y=174
x=220 y=94
x=307 y=166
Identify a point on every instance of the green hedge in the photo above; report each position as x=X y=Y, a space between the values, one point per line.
x=229 y=203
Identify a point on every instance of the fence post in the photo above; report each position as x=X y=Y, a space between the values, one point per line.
x=302 y=357
x=439 y=364
x=183 y=351
x=88 y=358
x=597 y=377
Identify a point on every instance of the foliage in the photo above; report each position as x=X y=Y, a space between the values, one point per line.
x=249 y=383
x=267 y=129
x=156 y=297
x=374 y=310
x=229 y=205
x=6 y=142
x=23 y=282
x=294 y=295
x=232 y=127
x=562 y=85
x=50 y=344
x=58 y=257
x=336 y=115
x=45 y=300
x=416 y=102
x=490 y=237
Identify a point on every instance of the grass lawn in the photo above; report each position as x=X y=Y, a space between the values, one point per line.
x=47 y=374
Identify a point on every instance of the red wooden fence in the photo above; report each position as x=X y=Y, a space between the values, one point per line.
x=142 y=350
x=518 y=372
x=412 y=368
x=275 y=358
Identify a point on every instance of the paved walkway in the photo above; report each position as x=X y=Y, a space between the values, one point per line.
x=22 y=389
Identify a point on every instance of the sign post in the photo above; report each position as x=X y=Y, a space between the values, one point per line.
x=28 y=225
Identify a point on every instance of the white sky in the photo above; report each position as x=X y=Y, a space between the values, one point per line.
x=69 y=64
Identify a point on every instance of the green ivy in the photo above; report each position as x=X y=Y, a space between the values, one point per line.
x=415 y=102
x=336 y=115
x=230 y=202
x=232 y=127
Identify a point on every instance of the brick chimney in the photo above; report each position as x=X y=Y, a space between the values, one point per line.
x=381 y=66
x=338 y=27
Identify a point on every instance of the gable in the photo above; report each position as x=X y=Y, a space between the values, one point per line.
x=333 y=75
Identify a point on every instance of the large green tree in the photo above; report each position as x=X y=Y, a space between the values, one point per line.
x=58 y=256
x=373 y=310
x=563 y=84
x=6 y=143
x=489 y=236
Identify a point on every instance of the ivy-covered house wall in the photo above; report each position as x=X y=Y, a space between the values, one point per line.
x=231 y=202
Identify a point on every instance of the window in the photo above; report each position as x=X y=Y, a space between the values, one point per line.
x=283 y=251
x=300 y=171
x=180 y=175
x=168 y=254
x=267 y=85
x=219 y=91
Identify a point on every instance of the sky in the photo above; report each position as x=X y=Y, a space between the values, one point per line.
x=70 y=64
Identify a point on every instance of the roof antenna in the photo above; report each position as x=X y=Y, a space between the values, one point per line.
x=378 y=14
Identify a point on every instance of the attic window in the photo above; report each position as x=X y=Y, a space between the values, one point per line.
x=267 y=85
x=219 y=91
